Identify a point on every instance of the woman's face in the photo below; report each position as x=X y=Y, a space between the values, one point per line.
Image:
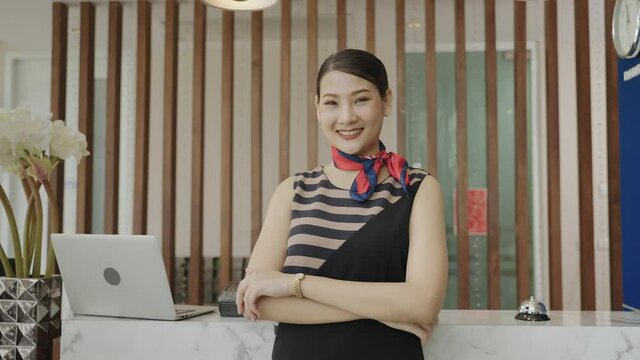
x=350 y=112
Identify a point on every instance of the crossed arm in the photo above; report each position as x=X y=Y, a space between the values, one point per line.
x=266 y=293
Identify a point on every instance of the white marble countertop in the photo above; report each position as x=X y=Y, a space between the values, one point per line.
x=462 y=334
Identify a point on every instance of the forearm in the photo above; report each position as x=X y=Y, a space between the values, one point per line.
x=301 y=311
x=398 y=302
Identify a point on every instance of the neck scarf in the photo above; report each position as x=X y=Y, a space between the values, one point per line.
x=369 y=166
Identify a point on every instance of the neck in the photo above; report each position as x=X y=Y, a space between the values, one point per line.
x=344 y=178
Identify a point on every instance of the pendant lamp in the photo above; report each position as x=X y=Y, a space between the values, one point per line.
x=235 y=5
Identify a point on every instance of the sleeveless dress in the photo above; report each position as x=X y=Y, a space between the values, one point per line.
x=333 y=236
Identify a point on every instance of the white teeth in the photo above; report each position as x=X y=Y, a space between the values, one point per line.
x=349 y=132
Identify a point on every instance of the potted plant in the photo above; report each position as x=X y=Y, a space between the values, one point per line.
x=31 y=147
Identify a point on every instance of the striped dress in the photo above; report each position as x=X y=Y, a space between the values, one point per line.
x=333 y=236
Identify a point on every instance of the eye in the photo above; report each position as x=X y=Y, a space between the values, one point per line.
x=330 y=103
x=362 y=99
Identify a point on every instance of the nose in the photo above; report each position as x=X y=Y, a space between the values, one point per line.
x=346 y=115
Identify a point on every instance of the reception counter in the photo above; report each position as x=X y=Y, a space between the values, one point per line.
x=471 y=334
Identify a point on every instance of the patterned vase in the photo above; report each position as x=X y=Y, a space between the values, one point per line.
x=29 y=317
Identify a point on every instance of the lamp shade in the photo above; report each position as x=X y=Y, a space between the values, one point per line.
x=241 y=4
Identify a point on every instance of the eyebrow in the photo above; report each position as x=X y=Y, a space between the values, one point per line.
x=353 y=93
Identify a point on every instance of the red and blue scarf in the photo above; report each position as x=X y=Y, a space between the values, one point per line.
x=369 y=166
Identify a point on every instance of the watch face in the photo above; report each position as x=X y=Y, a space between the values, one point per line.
x=626 y=28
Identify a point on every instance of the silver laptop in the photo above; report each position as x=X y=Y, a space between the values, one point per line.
x=118 y=275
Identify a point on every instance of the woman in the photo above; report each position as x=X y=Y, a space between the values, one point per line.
x=352 y=258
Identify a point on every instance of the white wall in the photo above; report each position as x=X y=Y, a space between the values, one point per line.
x=25 y=28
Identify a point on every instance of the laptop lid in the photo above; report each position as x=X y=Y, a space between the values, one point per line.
x=114 y=275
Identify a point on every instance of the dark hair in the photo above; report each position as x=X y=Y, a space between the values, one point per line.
x=359 y=63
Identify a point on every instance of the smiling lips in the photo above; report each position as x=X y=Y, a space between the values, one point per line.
x=350 y=134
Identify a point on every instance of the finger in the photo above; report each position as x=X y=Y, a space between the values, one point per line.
x=240 y=296
x=249 y=314
x=254 y=307
x=419 y=332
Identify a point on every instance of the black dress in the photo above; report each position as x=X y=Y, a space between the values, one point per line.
x=336 y=237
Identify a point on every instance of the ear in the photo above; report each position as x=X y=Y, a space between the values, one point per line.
x=316 y=102
x=387 y=103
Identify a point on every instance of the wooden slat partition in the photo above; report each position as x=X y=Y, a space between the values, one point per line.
x=553 y=155
x=342 y=24
x=85 y=115
x=521 y=163
x=196 y=283
x=256 y=124
x=169 y=139
x=461 y=156
x=371 y=25
x=285 y=86
x=112 y=161
x=493 y=176
x=143 y=82
x=400 y=78
x=585 y=185
x=226 y=151
x=59 y=42
x=431 y=87
x=613 y=165
x=312 y=69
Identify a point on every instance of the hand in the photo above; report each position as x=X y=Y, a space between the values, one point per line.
x=258 y=283
x=421 y=331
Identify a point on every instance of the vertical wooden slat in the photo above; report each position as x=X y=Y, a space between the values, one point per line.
x=493 y=176
x=226 y=151
x=143 y=81
x=522 y=179
x=58 y=88
x=431 y=86
x=85 y=115
x=196 y=283
x=613 y=165
x=342 y=24
x=371 y=25
x=553 y=154
x=112 y=170
x=169 y=138
x=55 y=351
x=285 y=86
x=256 y=125
x=462 y=156
x=585 y=185
x=400 y=78
x=312 y=69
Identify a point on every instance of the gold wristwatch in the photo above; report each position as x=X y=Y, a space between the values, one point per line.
x=297 y=289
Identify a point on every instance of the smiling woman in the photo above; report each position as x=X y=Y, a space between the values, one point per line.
x=352 y=259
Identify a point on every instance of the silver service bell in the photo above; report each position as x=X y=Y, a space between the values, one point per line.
x=532 y=310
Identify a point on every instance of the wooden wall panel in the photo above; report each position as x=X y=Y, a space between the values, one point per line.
x=521 y=144
x=342 y=23
x=226 y=151
x=585 y=185
x=312 y=70
x=143 y=81
x=371 y=25
x=169 y=138
x=553 y=155
x=85 y=115
x=256 y=124
x=493 y=176
x=196 y=283
x=613 y=165
x=431 y=87
x=59 y=42
x=285 y=87
x=462 y=156
x=400 y=78
x=112 y=161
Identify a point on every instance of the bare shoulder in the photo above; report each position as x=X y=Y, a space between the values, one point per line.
x=429 y=189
